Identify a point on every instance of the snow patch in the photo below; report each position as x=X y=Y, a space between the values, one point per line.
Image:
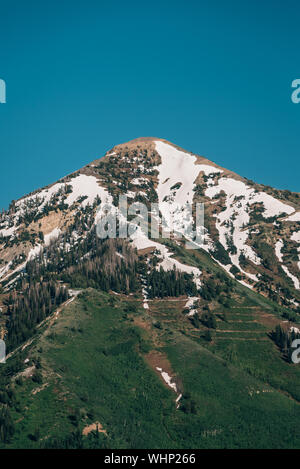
x=167 y=378
x=294 y=217
x=176 y=181
x=51 y=236
x=296 y=237
x=294 y=279
x=231 y=222
x=190 y=304
x=85 y=186
x=278 y=247
x=140 y=241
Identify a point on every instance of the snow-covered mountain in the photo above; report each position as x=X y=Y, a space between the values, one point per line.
x=251 y=230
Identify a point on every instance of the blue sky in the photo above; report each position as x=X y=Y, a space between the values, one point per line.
x=213 y=77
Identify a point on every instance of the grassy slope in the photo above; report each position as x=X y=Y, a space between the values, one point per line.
x=93 y=365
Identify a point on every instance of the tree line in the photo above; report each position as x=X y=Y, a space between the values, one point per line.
x=28 y=308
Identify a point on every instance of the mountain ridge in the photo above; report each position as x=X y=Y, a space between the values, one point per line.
x=114 y=174
x=140 y=140
x=155 y=331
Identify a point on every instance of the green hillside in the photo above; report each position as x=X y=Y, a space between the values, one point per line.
x=92 y=363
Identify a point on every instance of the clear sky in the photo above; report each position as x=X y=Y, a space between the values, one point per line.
x=213 y=77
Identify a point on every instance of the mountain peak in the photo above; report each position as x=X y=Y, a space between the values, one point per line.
x=139 y=142
x=241 y=216
x=144 y=143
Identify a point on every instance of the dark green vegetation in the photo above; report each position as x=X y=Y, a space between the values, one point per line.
x=38 y=291
x=92 y=370
x=171 y=283
x=89 y=262
x=89 y=365
x=28 y=308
